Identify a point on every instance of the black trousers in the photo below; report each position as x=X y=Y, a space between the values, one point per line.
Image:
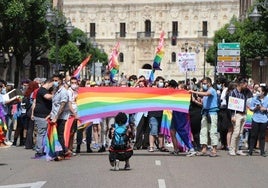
x=29 y=136
x=60 y=130
x=257 y=131
x=142 y=134
x=79 y=136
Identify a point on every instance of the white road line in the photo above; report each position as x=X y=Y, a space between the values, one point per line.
x=37 y=184
x=161 y=183
x=157 y=162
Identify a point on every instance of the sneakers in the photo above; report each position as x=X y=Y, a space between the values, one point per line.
x=232 y=153
x=38 y=156
x=102 y=149
x=116 y=165
x=95 y=146
x=174 y=153
x=191 y=153
x=127 y=167
x=240 y=152
x=89 y=150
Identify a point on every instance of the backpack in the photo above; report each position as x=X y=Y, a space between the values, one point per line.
x=119 y=139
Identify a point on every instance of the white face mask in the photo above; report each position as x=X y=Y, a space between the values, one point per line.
x=258 y=93
x=161 y=84
x=74 y=86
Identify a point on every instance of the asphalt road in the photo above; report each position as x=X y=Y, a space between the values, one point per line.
x=148 y=170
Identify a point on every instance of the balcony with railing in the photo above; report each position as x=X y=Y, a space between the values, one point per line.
x=173 y=34
x=120 y=35
x=145 y=35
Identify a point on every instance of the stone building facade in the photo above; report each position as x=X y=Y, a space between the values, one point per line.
x=188 y=25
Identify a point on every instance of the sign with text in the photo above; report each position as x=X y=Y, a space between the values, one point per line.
x=145 y=72
x=228 y=58
x=229 y=64
x=236 y=104
x=233 y=70
x=235 y=45
x=229 y=52
x=187 y=62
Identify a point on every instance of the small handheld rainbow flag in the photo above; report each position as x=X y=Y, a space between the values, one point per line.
x=99 y=102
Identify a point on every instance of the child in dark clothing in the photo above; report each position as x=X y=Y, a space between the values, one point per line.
x=120 y=149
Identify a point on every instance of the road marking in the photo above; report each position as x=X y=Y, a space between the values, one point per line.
x=161 y=183
x=157 y=162
x=37 y=184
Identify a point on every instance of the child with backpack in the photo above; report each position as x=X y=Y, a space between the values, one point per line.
x=121 y=135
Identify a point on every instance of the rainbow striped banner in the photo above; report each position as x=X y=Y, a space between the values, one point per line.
x=99 y=102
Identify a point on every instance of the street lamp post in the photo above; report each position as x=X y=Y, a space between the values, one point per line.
x=205 y=55
x=255 y=15
x=54 y=18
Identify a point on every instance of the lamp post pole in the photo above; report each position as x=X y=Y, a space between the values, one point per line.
x=57 y=45
x=53 y=17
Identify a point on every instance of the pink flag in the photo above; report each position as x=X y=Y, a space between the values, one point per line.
x=81 y=66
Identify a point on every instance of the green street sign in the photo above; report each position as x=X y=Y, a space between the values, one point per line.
x=230 y=46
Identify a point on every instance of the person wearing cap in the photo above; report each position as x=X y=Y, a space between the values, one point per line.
x=238 y=118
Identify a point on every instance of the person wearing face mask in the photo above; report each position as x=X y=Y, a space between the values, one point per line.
x=73 y=93
x=238 y=118
x=40 y=112
x=60 y=113
x=132 y=80
x=155 y=118
x=259 y=105
x=107 y=121
x=209 y=117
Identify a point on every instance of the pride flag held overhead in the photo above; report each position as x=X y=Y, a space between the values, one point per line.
x=159 y=53
x=99 y=102
x=113 y=65
x=81 y=66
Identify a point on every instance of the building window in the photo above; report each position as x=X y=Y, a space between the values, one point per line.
x=147 y=28
x=174 y=29
x=121 y=57
x=173 y=57
x=205 y=28
x=122 y=29
x=92 y=30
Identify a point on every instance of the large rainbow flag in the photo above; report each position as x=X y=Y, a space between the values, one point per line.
x=99 y=102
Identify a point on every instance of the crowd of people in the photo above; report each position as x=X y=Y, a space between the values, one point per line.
x=43 y=101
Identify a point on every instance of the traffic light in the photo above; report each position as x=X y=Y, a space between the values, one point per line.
x=173 y=40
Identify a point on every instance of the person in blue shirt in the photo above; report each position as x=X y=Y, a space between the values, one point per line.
x=209 y=116
x=259 y=105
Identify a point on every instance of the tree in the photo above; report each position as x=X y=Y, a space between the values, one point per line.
x=70 y=56
x=24 y=30
x=253 y=38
